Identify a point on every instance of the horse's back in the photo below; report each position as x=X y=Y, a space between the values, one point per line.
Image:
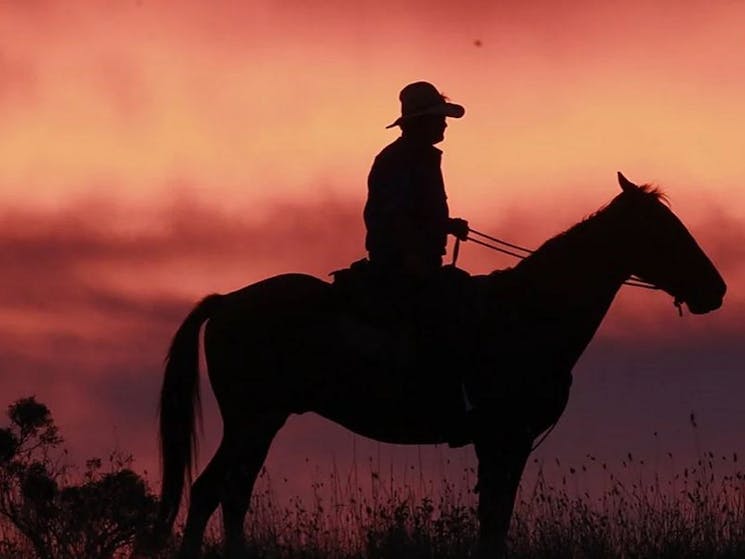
x=268 y=308
x=278 y=294
x=284 y=285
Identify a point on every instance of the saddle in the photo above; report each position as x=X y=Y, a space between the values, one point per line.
x=427 y=317
x=420 y=336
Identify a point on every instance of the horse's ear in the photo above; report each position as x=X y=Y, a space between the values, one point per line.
x=626 y=184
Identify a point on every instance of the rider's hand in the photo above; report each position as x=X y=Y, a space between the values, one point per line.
x=458 y=227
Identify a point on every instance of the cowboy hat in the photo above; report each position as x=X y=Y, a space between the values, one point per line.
x=422 y=98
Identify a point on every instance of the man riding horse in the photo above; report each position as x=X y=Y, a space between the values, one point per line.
x=402 y=289
x=406 y=214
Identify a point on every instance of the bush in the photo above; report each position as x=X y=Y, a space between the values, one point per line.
x=97 y=518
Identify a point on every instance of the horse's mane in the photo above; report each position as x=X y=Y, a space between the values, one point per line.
x=647 y=190
x=653 y=190
x=594 y=220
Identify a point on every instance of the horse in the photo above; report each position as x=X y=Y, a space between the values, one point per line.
x=278 y=347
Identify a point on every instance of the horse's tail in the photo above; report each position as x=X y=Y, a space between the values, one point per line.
x=179 y=410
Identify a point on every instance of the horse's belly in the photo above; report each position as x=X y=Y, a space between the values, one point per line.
x=416 y=419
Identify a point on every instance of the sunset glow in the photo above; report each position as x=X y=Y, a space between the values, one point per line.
x=153 y=152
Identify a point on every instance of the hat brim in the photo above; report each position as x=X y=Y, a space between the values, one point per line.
x=445 y=109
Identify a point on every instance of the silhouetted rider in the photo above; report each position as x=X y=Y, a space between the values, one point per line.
x=406 y=214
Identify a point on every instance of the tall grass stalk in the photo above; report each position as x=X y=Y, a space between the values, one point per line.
x=698 y=512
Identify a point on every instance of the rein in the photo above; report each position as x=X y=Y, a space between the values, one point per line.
x=511 y=250
x=520 y=252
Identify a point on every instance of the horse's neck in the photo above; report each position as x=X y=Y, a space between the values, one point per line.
x=588 y=260
x=571 y=280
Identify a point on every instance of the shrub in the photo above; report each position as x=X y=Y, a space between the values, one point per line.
x=96 y=518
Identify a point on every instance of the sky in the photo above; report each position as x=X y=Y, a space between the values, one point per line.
x=154 y=152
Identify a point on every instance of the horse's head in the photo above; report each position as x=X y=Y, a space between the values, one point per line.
x=665 y=253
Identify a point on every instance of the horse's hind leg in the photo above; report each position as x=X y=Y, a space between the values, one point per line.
x=204 y=498
x=251 y=447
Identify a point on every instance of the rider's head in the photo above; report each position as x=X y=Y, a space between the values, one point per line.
x=423 y=112
x=426 y=128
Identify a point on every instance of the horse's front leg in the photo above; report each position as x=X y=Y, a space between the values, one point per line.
x=501 y=462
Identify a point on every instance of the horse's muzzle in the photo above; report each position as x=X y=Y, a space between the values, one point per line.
x=702 y=303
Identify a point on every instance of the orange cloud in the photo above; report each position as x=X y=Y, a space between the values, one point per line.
x=263 y=102
x=88 y=307
x=261 y=120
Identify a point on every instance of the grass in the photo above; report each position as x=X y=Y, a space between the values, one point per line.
x=698 y=512
x=590 y=510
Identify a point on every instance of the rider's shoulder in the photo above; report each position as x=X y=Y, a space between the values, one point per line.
x=403 y=151
x=394 y=149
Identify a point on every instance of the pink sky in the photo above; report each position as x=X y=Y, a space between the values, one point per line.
x=151 y=152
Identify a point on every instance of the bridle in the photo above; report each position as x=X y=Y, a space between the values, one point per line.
x=520 y=252
x=499 y=245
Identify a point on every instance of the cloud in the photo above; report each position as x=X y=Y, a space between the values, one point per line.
x=19 y=84
x=723 y=236
x=89 y=302
x=72 y=258
x=119 y=264
x=91 y=295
